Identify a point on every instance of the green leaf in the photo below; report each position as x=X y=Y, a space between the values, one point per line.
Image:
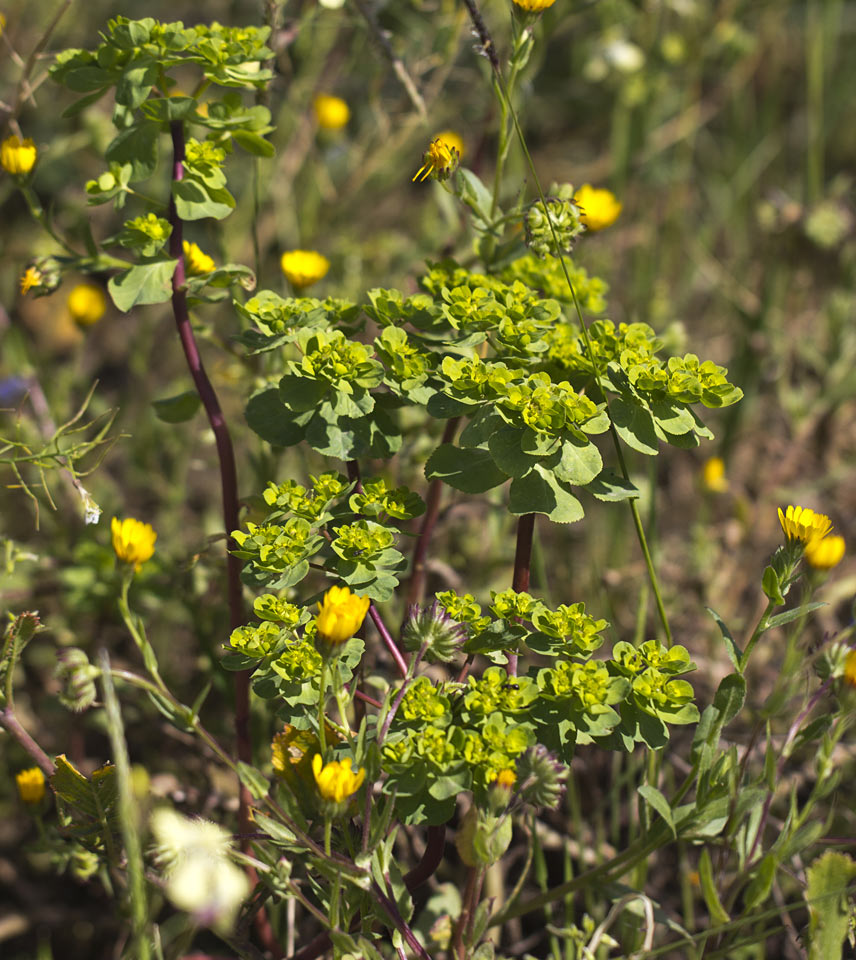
x=772 y=585
x=734 y=652
x=177 y=409
x=671 y=417
x=635 y=426
x=268 y=417
x=94 y=797
x=656 y=800
x=759 y=889
x=254 y=781
x=540 y=492
x=253 y=143
x=609 y=486
x=195 y=201
x=782 y=618
x=708 y=888
x=729 y=697
x=828 y=904
x=277 y=831
x=504 y=446
x=471 y=471
x=474 y=193
x=578 y=463
x=138 y=146
x=144 y=283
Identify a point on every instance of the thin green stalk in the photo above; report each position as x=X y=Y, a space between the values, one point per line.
x=322 y=734
x=756 y=635
x=127 y=814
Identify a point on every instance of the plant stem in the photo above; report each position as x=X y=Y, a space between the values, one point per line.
x=226 y=455
x=12 y=725
x=756 y=635
x=387 y=639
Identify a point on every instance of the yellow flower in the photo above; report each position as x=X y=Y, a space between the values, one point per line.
x=30 y=278
x=506 y=778
x=850 y=668
x=713 y=475
x=340 y=615
x=335 y=780
x=31 y=785
x=803 y=524
x=195 y=261
x=290 y=747
x=302 y=268
x=332 y=113
x=439 y=161
x=825 y=553
x=534 y=5
x=598 y=207
x=2 y=24
x=86 y=303
x=133 y=541
x=453 y=141
x=17 y=156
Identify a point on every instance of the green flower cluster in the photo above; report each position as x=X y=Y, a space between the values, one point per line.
x=464 y=610
x=312 y=505
x=553 y=227
x=548 y=277
x=147 y=235
x=280 y=549
x=377 y=497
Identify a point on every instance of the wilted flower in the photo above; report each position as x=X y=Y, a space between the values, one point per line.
x=200 y=877
x=825 y=553
x=86 y=303
x=302 y=268
x=340 y=615
x=196 y=262
x=713 y=475
x=332 y=113
x=801 y=524
x=439 y=161
x=435 y=629
x=336 y=782
x=599 y=207
x=133 y=540
x=31 y=786
x=18 y=156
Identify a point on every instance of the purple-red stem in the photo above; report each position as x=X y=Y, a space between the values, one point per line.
x=522 y=564
x=12 y=725
x=387 y=639
x=416 y=586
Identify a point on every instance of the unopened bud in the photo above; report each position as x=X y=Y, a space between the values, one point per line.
x=553 y=227
x=540 y=777
x=434 y=629
x=77 y=679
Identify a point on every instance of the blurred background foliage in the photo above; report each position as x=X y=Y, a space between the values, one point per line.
x=725 y=127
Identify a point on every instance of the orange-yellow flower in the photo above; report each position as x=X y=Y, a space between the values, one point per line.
x=340 y=615
x=713 y=475
x=30 y=278
x=336 y=781
x=453 y=141
x=598 y=207
x=534 y=5
x=332 y=113
x=803 y=524
x=86 y=303
x=439 y=161
x=195 y=261
x=825 y=553
x=133 y=541
x=302 y=268
x=31 y=785
x=18 y=156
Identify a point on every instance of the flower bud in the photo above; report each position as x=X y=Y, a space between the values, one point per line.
x=554 y=227
x=336 y=783
x=340 y=615
x=77 y=679
x=18 y=156
x=433 y=627
x=540 y=777
x=31 y=786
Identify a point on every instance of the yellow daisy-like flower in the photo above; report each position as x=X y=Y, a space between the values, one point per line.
x=302 y=268
x=31 y=785
x=2 y=24
x=86 y=303
x=30 y=278
x=340 y=615
x=825 y=553
x=18 y=156
x=336 y=781
x=332 y=113
x=195 y=261
x=850 y=668
x=133 y=541
x=439 y=161
x=534 y=5
x=598 y=207
x=803 y=524
x=453 y=141
x=506 y=778
x=713 y=475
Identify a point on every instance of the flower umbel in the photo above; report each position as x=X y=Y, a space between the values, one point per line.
x=340 y=615
x=302 y=268
x=133 y=541
x=336 y=781
x=825 y=553
x=31 y=786
x=332 y=113
x=599 y=207
x=86 y=303
x=195 y=261
x=440 y=160
x=801 y=524
x=18 y=156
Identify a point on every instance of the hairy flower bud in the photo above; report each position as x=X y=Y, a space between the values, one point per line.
x=540 y=777
x=433 y=628
x=554 y=227
x=77 y=679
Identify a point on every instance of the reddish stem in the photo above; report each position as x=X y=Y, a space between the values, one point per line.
x=12 y=725
x=522 y=564
x=387 y=639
